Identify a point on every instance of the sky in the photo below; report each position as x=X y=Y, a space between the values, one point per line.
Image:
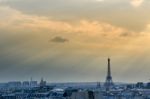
x=70 y=40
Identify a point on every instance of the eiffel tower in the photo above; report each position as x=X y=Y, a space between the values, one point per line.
x=109 y=82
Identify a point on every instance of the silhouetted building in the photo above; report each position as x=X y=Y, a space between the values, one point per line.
x=148 y=85
x=87 y=95
x=42 y=83
x=98 y=85
x=130 y=86
x=140 y=85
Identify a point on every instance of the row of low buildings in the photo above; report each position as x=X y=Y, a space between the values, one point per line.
x=18 y=84
x=21 y=85
x=53 y=92
x=78 y=95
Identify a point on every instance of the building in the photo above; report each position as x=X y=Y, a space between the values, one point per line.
x=87 y=95
x=25 y=84
x=14 y=84
x=42 y=83
x=33 y=83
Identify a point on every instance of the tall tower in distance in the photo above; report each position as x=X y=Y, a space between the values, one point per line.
x=109 y=82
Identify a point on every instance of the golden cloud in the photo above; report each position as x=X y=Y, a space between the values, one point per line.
x=136 y=3
x=13 y=19
x=88 y=34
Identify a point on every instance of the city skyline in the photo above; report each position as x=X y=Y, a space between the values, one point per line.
x=70 y=40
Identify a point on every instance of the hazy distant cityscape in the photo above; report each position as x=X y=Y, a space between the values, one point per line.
x=81 y=90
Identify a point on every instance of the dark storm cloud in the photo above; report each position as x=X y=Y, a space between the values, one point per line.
x=59 y=39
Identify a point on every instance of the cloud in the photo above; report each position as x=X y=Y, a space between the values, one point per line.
x=136 y=3
x=59 y=39
x=18 y=21
x=24 y=47
x=99 y=0
x=4 y=1
x=110 y=11
x=83 y=31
